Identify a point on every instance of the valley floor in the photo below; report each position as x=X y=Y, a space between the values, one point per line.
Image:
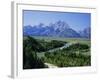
x=73 y=52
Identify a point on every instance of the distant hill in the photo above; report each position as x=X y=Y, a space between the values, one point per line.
x=57 y=29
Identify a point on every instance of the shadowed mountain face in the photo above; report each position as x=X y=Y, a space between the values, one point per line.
x=57 y=29
x=86 y=33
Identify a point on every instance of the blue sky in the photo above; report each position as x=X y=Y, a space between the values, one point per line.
x=77 y=21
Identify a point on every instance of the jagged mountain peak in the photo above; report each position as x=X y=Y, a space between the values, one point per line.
x=86 y=32
x=57 y=29
x=61 y=25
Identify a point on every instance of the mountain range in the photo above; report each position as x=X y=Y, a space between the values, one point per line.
x=57 y=29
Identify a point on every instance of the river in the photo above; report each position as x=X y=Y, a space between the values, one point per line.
x=41 y=54
x=65 y=46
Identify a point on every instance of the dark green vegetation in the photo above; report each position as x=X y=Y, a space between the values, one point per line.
x=48 y=45
x=36 y=52
x=71 y=56
x=32 y=46
x=30 y=59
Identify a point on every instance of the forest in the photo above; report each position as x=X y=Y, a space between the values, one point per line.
x=54 y=52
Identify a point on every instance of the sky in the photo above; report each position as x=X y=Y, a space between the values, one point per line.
x=77 y=21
